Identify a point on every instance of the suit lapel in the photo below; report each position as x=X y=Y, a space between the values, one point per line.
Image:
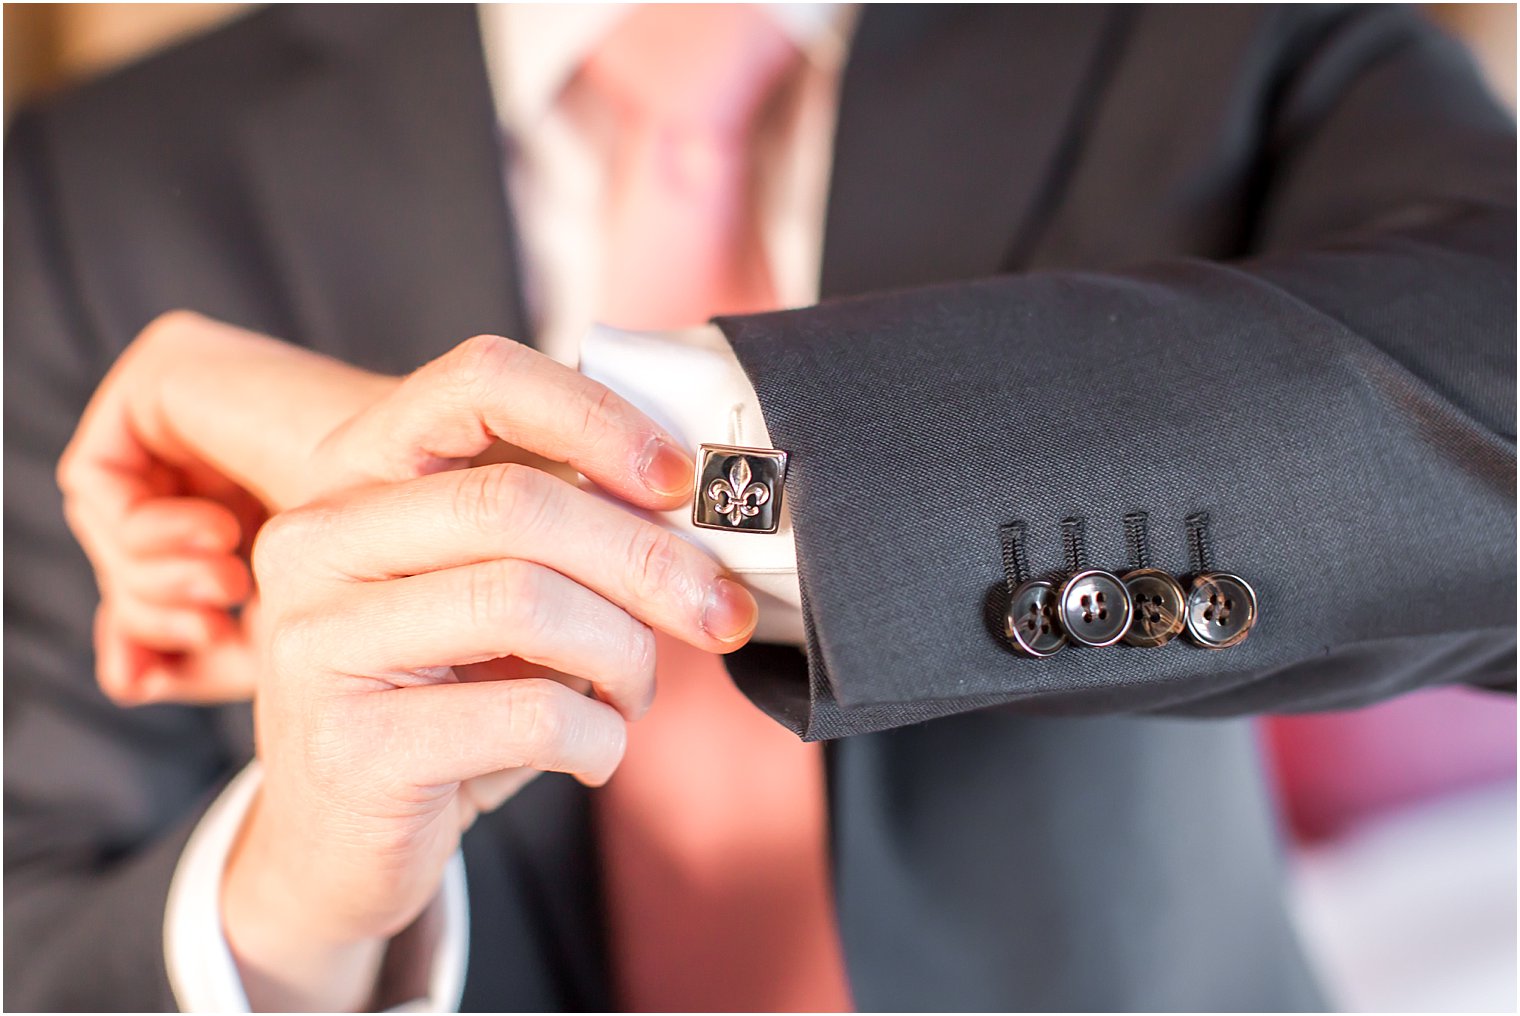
x=954 y=126
x=378 y=175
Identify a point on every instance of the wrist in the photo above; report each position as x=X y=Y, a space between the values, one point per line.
x=253 y=408
x=289 y=955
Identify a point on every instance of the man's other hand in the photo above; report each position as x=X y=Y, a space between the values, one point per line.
x=201 y=429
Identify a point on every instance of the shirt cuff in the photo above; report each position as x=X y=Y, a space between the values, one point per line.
x=691 y=384
x=201 y=968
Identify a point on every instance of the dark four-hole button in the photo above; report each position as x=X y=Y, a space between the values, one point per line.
x=1221 y=609
x=1159 y=606
x=1031 y=623
x=1094 y=608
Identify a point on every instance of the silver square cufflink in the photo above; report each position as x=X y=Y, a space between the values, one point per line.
x=738 y=489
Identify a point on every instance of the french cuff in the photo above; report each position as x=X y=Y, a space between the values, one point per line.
x=201 y=968
x=690 y=383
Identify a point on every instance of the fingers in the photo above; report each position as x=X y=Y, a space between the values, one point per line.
x=120 y=662
x=491 y=388
x=164 y=632
x=160 y=558
x=131 y=674
x=181 y=581
x=509 y=511
x=174 y=604
x=448 y=733
x=169 y=628
x=162 y=525
x=224 y=671
x=483 y=612
x=168 y=564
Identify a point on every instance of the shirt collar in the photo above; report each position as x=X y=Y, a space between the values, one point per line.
x=532 y=50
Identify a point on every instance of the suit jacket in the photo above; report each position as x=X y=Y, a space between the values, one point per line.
x=1251 y=261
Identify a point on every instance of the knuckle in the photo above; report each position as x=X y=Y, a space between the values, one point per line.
x=639 y=661
x=327 y=741
x=173 y=328
x=285 y=541
x=275 y=546
x=641 y=653
x=652 y=561
x=66 y=475
x=480 y=358
x=167 y=324
x=537 y=718
x=599 y=408
x=270 y=547
x=480 y=497
x=292 y=643
x=162 y=333
x=461 y=374
x=504 y=595
x=490 y=498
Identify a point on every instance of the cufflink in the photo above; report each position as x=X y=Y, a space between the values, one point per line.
x=738 y=489
x=1221 y=608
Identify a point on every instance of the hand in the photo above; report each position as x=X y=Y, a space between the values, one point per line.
x=196 y=433
x=202 y=428
x=430 y=627
x=423 y=635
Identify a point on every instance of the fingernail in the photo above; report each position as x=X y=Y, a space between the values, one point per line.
x=666 y=469
x=730 y=612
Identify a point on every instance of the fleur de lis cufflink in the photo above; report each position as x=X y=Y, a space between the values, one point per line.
x=738 y=489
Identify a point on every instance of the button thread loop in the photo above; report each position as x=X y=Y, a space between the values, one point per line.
x=1074 y=545
x=1199 y=546
x=1015 y=564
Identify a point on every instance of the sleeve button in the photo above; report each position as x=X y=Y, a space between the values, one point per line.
x=1094 y=608
x=1221 y=610
x=1031 y=623
x=1159 y=604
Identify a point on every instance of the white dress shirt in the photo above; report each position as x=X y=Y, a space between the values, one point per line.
x=689 y=381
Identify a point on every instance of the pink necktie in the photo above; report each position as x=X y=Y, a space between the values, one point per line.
x=714 y=831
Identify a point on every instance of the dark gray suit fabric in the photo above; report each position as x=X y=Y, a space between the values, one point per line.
x=332 y=176
x=1337 y=390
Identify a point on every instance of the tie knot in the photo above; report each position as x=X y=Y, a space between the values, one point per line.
x=692 y=67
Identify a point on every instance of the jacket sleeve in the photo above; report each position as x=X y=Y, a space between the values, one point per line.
x=1341 y=402
x=98 y=800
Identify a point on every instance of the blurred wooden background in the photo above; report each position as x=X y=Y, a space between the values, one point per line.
x=49 y=45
